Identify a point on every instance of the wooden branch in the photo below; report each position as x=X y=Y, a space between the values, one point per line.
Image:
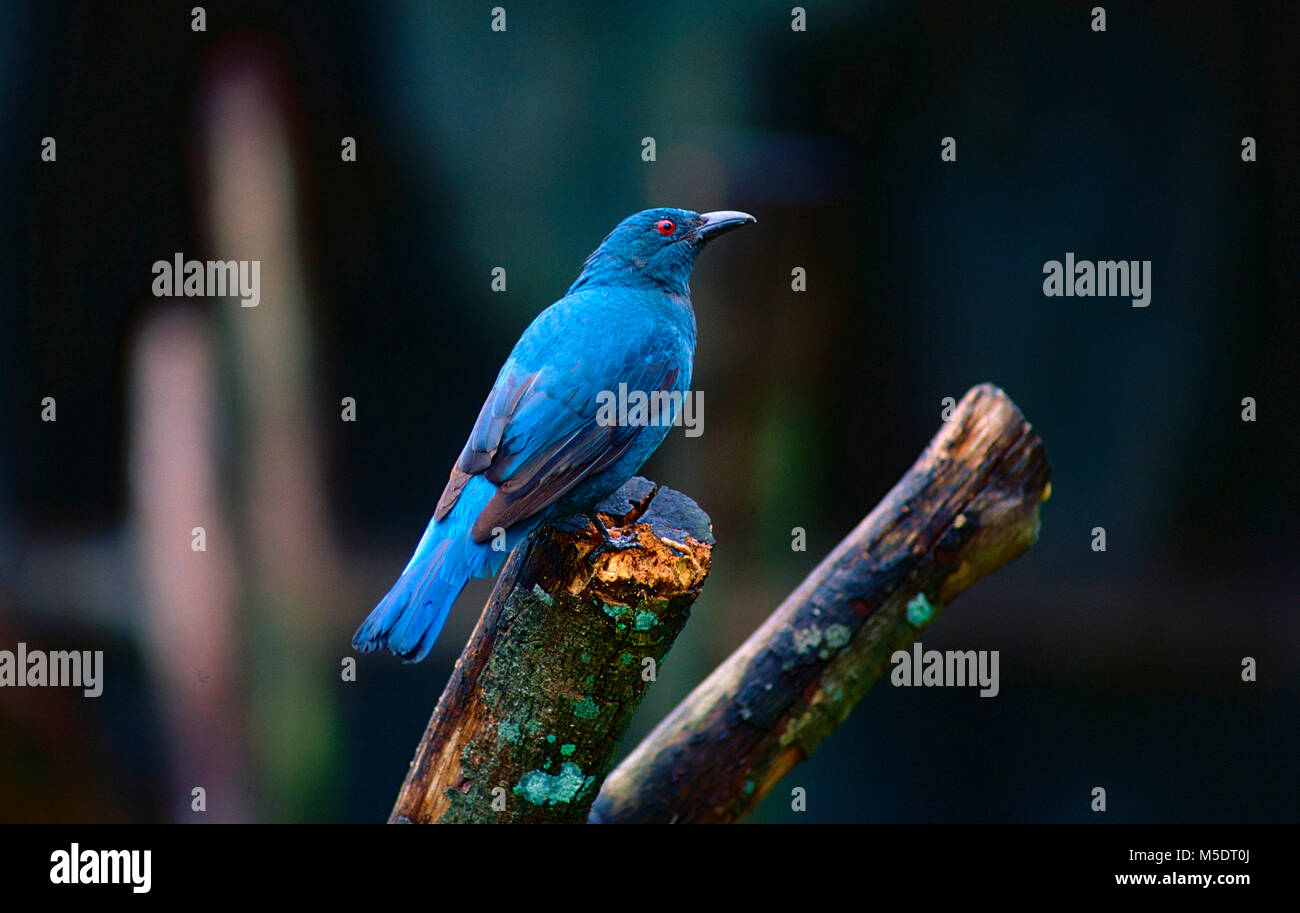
x=968 y=506
x=541 y=696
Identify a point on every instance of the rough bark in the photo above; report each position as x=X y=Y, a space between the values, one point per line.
x=541 y=696
x=968 y=506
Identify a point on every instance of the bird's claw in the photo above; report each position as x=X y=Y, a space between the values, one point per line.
x=610 y=543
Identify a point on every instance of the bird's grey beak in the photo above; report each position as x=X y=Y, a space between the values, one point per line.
x=713 y=224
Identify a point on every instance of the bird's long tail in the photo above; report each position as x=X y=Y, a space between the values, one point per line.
x=408 y=620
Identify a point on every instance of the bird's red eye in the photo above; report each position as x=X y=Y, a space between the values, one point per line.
x=665 y=226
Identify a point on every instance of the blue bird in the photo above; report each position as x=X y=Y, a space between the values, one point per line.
x=541 y=448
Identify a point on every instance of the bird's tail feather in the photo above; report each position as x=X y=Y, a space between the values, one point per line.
x=408 y=620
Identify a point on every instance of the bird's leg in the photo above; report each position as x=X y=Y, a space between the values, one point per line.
x=609 y=543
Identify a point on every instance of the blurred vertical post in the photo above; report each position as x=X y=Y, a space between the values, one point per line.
x=250 y=214
x=189 y=626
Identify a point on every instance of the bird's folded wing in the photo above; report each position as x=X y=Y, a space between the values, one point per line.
x=538 y=434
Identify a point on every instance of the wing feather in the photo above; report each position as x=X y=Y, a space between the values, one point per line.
x=537 y=436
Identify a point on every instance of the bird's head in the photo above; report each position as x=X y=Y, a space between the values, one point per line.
x=656 y=247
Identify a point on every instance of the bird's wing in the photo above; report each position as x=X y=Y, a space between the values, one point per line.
x=537 y=435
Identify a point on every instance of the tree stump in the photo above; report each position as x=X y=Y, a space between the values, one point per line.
x=541 y=696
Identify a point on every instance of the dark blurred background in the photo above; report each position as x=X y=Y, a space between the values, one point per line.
x=478 y=149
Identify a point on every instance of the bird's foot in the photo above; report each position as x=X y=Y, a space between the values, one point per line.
x=610 y=543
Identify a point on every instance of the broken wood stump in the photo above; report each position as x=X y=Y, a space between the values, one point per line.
x=541 y=696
